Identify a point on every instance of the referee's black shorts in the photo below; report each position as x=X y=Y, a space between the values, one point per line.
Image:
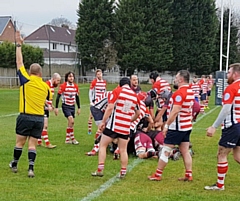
x=30 y=125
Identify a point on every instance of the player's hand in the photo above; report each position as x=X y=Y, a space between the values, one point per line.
x=91 y=104
x=164 y=132
x=50 y=108
x=158 y=124
x=101 y=127
x=145 y=129
x=19 y=39
x=56 y=111
x=210 y=131
x=79 y=111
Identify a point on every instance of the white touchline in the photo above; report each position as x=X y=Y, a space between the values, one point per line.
x=15 y=114
x=111 y=181
x=9 y=115
x=207 y=114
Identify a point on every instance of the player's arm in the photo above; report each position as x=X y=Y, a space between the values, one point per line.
x=91 y=91
x=21 y=71
x=173 y=114
x=150 y=122
x=91 y=96
x=78 y=104
x=108 y=112
x=60 y=91
x=49 y=99
x=160 y=114
x=222 y=115
x=19 y=57
x=137 y=112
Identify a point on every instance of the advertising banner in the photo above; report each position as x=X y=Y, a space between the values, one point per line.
x=221 y=84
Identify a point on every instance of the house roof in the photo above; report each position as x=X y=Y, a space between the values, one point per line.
x=54 y=33
x=59 y=55
x=3 y=22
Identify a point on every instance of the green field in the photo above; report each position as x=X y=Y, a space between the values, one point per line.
x=64 y=173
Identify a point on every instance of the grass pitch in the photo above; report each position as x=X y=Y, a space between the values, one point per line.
x=64 y=173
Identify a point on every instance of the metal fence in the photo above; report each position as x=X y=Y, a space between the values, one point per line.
x=11 y=82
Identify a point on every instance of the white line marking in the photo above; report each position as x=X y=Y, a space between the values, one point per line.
x=14 y=114
x=9 y=115
x=199 y=118
x=109 y=183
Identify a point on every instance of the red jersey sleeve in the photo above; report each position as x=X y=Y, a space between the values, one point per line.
x=62 y=88
x=77 y=89
x=178 y=97
x=201 y=82
x=228 y=95
x=114 y=95
x=93 y=84
x=155 y=86
x=48 y=83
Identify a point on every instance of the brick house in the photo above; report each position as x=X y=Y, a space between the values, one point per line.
x=7 y=30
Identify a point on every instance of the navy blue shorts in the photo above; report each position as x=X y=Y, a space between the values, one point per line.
x=68 y=110
x=209 y=93
x=30 y=125
x=203 y=97
x=230 y=137
x=177 y=137
x=96 y=113
x=114 y=135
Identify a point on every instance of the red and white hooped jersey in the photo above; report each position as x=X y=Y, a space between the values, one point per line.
x=125 y=103
x=49 y=102
x=204 y=85
x=210 y=83
x=159 y=86
x=102 y=101
x=49 y=83
x=184 y=97
x=98 y=87
x=196 y=88
x=231 y=95
x=68 y=92
x=144 y=112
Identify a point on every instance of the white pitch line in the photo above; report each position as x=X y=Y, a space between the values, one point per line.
x=14 y=114
x=199 y=118
x=110 y=182
x=9 y=115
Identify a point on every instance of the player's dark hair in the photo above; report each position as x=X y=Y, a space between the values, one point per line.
x=67 y=74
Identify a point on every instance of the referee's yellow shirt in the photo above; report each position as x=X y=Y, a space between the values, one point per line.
x=33 y=93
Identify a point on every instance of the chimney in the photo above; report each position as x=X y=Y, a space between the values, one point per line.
x=65 y=26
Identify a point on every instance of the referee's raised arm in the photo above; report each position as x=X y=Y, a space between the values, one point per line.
x=19 y=57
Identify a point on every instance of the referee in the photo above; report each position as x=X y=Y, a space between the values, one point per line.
x=33 y=95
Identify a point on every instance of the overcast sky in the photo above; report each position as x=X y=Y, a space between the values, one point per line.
x=31 y=14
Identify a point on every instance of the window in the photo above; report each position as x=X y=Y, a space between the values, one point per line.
x=54 y=46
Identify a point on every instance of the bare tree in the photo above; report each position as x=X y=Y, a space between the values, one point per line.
x=62 y=22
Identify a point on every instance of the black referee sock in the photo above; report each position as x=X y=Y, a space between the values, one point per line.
x=31 y=157
x=16 y=155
